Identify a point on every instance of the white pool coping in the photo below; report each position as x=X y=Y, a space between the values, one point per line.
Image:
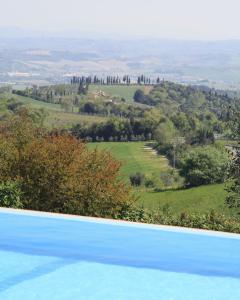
x=34 y=213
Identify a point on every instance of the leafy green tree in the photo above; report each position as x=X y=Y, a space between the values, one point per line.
x=165 y=133
x=82 y=89
x=203 y=136
x=139 y=96
x=204 y=165
x=233 y=184
x=181 y=122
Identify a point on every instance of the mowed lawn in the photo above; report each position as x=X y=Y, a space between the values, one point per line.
x=135 y=158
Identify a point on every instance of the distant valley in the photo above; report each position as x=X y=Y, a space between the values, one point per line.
x=45 y=60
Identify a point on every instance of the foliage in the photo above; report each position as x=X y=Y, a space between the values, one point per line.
x=165 y=133
x=139 y=96
x=58 y=173
x=208 y=221
x=114 y=130
x=10 y=195
x=187 y=99
x=204 y=165
x=112 y=107
x=233 y=184
x=203 y=136
x=137 y=179
x=164 y=180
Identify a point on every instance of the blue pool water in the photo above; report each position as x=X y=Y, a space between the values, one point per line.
x=60 y=258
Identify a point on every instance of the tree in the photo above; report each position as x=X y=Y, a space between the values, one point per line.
x=233 y=184
x=203 y=136
x=139 y=96
x=165 y=133
x=137 y=179
x=204 y=165
x=58 y=173
x=89 y=108
x=82 y=89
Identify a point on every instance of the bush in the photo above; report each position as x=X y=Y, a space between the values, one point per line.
x=59 y=174
x=167 y=178
x=208 y=221
x=205 y=165
x=137 y=179
x=10 y=195
x=139 y=96
x=233 y=183
x=149 y=183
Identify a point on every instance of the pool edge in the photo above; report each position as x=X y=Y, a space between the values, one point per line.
x=120 y=222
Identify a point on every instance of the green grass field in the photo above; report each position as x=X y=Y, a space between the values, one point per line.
x=135 y=158
x=123 y=91
x=199 y=199
x=56 y=116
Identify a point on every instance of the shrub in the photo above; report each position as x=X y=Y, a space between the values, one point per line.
x=139 y=96
x=137 y=179
x=10 y=195
x=205 y=165
x=233 y=183
x=149 y=183
x=59 y=174
x=208 y=221
x=167 y=178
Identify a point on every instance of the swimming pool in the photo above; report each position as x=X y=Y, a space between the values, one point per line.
x=43 y=257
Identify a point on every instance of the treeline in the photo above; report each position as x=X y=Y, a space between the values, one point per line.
x=47 y=94
x=115 y=130
x=115 y=80
x=122 y=109
x=151 y=124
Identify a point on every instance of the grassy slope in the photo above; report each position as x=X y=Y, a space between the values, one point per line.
x=200 y=199
x=56 y=116
x=136 y=159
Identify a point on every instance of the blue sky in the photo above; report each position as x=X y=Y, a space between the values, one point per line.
x=182 y=19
